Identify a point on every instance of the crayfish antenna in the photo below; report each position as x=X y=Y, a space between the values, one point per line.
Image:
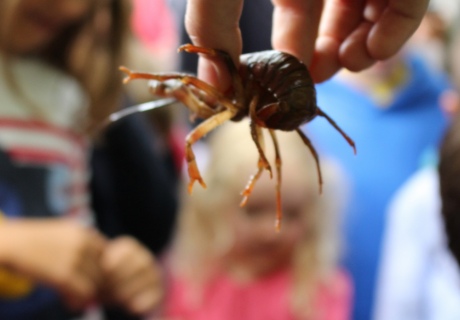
x=335 y=125
x=183 y=47
x=128 y=73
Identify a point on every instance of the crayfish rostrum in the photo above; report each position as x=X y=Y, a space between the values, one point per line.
x=274 y=89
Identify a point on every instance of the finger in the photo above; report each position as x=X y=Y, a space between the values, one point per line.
x=394 y=27
x=295 y=27
x=325 y=60
x=374 y=10
x=215 y=24
x=339 y=20
x=145 y=301
x=98 y=242
x=123 y=258
x=87 y=264
x=143 y=280
x=78 y=291
x=124 y=272
x=131 y=290
x=93 y=251
x=353 y=53
x=79 y=273
x=142 y=292
x=90 y=268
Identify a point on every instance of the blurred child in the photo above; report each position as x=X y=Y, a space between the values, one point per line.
x=449 y=170
x=58 y=80
x=449 y=155
x=229 y=262
x=418 y=277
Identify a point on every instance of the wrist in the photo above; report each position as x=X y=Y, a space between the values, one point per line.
x=6 y=242
x=12 y=285
x=12 y=238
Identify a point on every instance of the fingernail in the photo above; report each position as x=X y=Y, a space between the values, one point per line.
x=215 y=73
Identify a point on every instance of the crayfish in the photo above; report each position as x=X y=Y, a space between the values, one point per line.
x=274 y=89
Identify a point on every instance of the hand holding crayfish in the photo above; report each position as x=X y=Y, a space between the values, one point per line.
x=326 y=35
x=274 y=89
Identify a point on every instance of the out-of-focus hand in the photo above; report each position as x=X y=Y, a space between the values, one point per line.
x=59 y=253
x=131 y=276
x=327 y=35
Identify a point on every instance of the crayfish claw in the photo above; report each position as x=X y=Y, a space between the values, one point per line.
x=269 y=168
x=250 y=186
x=246 y=193
x=128 y=72
x=183 y=47
x=194 y=175
x=192 y=181
x=263 y=163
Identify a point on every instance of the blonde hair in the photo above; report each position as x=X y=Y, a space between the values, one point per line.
x=203 y=237
x=91 y=51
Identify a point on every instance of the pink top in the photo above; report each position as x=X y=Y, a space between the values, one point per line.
x=225 y=299
x=153 y=24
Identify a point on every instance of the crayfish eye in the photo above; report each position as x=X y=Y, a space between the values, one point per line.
x=280 y=116
x=268 y=115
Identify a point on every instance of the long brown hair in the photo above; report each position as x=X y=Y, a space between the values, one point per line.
x=89 y=50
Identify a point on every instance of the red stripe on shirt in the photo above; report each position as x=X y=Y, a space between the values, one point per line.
x=36 y=155
x=36 y=125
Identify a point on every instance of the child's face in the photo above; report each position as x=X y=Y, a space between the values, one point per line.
x=258 y=247
x=37 y=22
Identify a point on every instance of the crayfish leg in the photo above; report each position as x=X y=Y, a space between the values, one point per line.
x=183 y=77
x=315 y=155
x=253 y=179
x=213 y=95
x=256 y=134
x=279 y=212
x=196 y=134
x=133 y=75
x=258 y=138
x=251 y=183
x=182 y=93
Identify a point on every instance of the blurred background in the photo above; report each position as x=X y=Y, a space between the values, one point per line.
x=392 y=260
